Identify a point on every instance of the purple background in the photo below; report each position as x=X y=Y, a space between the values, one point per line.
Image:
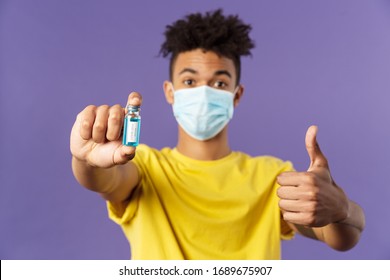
x=316 y=62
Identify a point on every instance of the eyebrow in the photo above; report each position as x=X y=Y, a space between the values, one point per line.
x=190 y=70
x=216 y=73
x=223 y=72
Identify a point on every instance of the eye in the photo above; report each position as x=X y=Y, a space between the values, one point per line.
x=189 y=82
x=220 y=84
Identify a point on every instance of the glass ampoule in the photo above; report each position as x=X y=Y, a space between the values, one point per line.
x=132 y=126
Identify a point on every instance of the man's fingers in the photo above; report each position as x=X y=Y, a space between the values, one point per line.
x=100 y=126
x=299 y=218
x=301 y=193
x=86 y=120
x=104 y=123
x=288 y=192
x=296 y=205
x=296 y=178
x=115 y=122
x=317 y=158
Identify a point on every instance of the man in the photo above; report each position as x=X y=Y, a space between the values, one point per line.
x=201 y=200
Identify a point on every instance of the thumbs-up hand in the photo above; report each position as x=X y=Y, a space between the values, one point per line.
x=312 y=198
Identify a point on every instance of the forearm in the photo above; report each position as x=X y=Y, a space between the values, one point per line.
x=114 y=184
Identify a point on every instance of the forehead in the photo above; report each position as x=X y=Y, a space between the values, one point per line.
x=203 y=62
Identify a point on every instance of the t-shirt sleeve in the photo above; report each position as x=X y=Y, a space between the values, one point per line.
x=122 y=217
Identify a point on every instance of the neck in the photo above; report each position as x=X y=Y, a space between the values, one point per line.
x=212 y=149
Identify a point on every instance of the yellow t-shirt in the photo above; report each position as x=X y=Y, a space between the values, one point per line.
x=191 y=209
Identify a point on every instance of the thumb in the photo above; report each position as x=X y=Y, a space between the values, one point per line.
x=134 y=99
x=123 y=154
x=317 y=158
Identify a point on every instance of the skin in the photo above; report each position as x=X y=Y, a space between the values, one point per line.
x=310 y=201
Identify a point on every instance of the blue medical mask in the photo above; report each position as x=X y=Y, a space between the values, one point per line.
x=203 y=111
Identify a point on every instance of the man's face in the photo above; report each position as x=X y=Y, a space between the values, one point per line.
x=199 y=68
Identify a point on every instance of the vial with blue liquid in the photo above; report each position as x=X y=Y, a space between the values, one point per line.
x=132 y=126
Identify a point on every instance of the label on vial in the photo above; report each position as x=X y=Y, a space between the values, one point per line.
x=132 y=132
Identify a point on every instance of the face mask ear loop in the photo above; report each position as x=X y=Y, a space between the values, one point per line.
x=236 y=90
x=173 y=92
x=173 y=89
x=234 y=94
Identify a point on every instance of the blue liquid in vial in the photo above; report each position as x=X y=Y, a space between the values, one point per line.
x=131 y=131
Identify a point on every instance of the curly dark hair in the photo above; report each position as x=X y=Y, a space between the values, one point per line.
x=227 y=36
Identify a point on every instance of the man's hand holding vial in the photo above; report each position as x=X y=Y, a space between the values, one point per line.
x=104 y=136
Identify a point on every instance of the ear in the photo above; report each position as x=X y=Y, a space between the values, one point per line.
x=168 y=92
x=239 y=94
